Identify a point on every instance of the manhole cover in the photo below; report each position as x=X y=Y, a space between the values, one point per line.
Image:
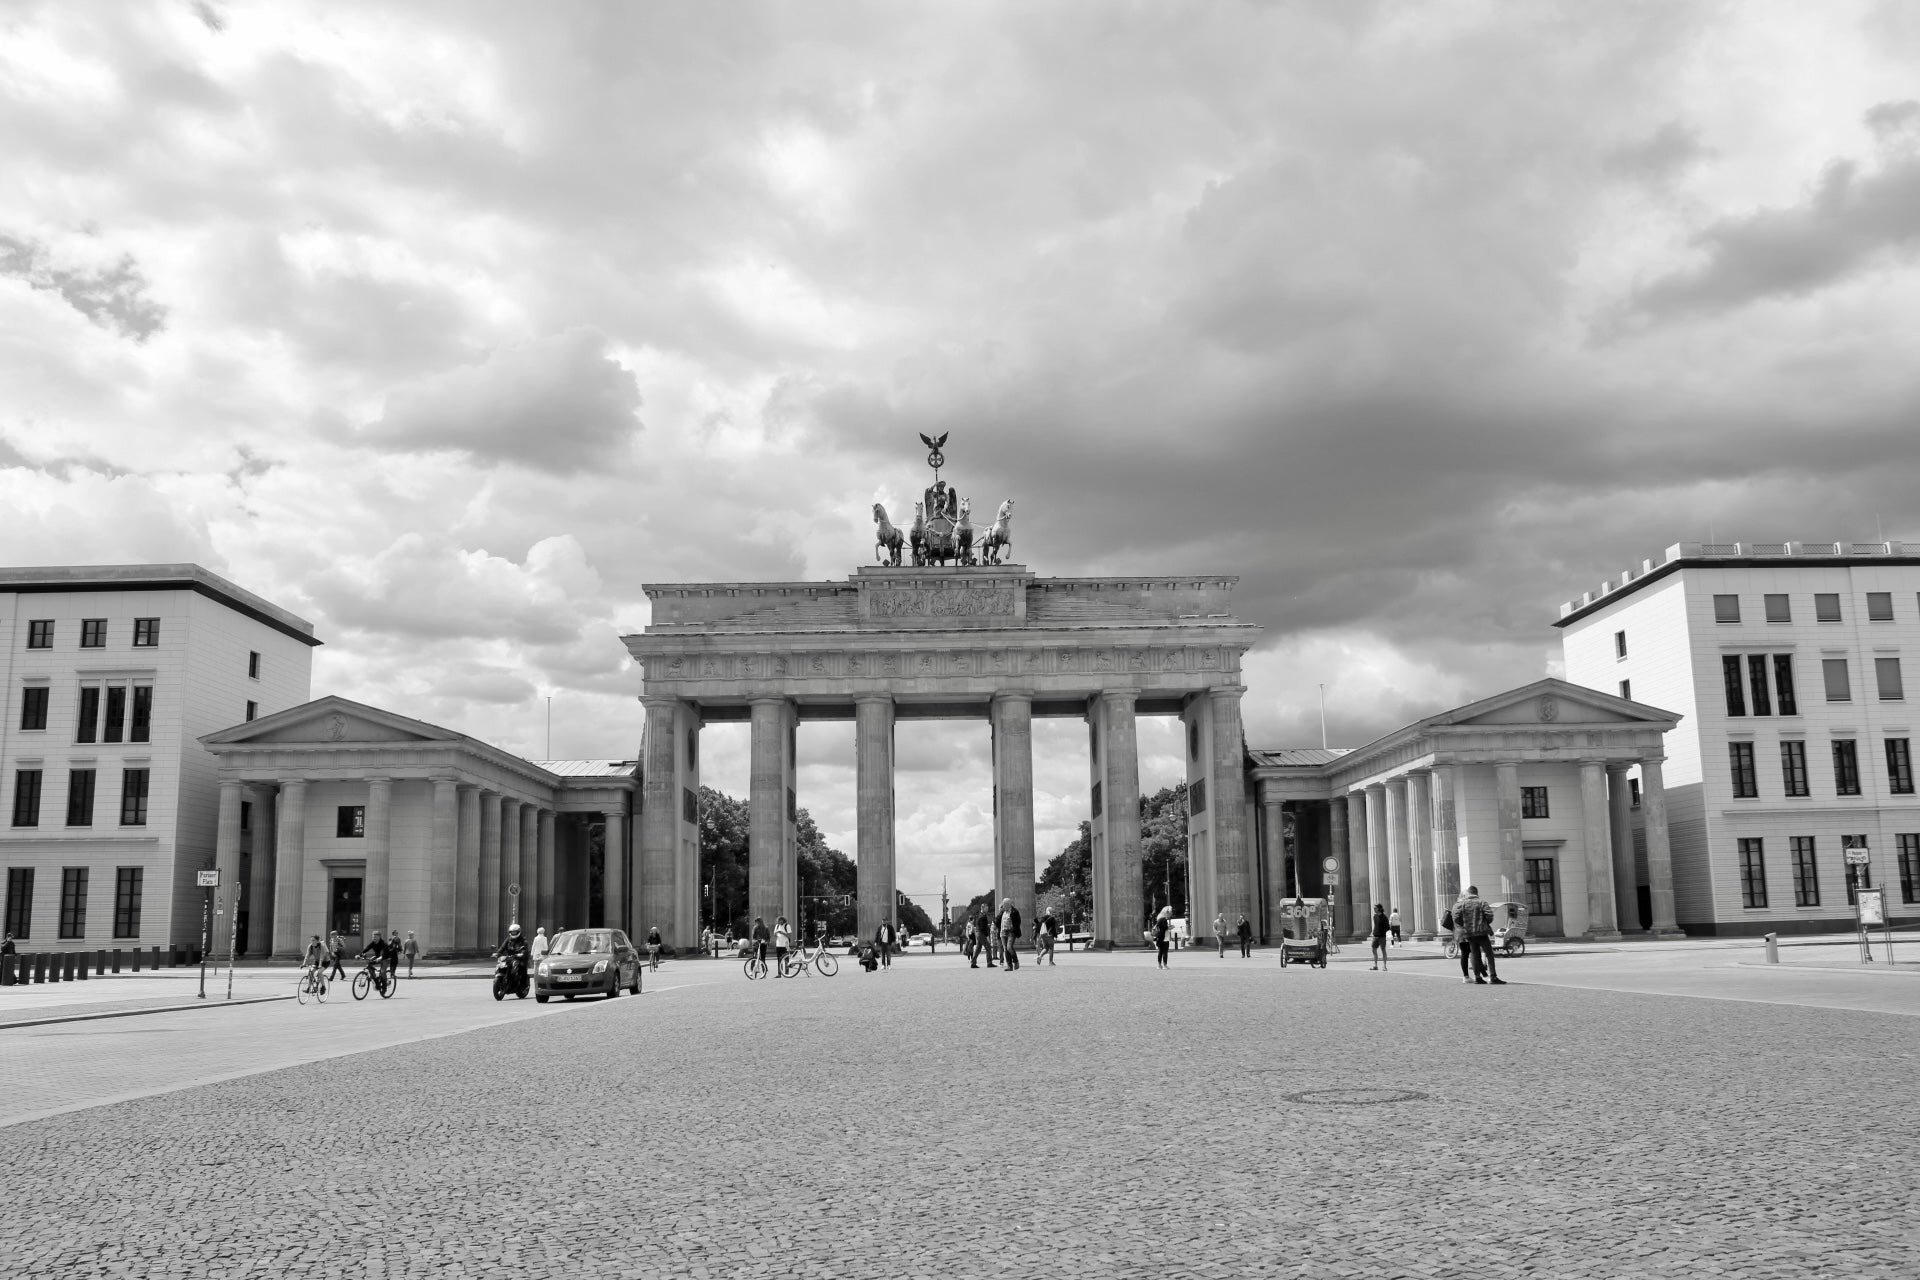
x=1354 y=1097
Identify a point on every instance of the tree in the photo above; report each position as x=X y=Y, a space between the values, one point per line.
x=826 y=874
x=1163 y=853
x=1070 y=874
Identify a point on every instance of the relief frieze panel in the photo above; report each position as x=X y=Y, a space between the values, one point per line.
x=942 y=603
x=1093 y=661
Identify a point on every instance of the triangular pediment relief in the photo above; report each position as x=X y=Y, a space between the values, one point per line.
x=330 y=720
x=1551 y=701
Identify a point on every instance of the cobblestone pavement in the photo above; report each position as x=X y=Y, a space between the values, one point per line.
x=1097 y=1119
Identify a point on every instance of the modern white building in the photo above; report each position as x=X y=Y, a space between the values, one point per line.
x=1790 y=665
x=109 y=675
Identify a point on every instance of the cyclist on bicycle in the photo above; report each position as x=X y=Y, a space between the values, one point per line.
x=515 y=946
x=315 y=957
x=375 y=954
x=759 y=937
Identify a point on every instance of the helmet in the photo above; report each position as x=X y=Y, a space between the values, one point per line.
x=513 y=931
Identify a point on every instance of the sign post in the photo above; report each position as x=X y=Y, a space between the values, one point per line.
x=1872 y=906
x=209 y=880
x=1857 y=855
x=233 y=939
x=513 y=897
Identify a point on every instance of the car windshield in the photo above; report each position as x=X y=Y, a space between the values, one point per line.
x=586 y=942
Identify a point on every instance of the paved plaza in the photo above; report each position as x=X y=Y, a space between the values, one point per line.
x=1099 y=1118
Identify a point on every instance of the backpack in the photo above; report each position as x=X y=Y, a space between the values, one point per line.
x=1446 y=921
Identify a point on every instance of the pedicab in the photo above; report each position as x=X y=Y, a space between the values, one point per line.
x=1510 y=928
x=1307 y=930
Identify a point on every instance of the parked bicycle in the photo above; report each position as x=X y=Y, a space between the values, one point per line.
x=816 y=958
x=311 y=986
x=755 y=965
x=374 y=978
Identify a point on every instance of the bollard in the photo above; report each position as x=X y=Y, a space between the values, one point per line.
x=1773 y=948
x=116 y=959
x=72 y=969
x=156 y=957
x=53 y=966
x=39 y=967
x=82 y=963
x=6 y=970
x=100 y=963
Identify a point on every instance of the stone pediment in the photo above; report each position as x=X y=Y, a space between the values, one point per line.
x=331 y=720
x=1551 y=701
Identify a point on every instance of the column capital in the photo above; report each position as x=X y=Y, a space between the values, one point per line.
x=1620 y=766
x=1116 y=697
x=1011 y=695
x=659 y=701
x=858 y=698
x=1371 y=787
x=1397 y=780
x=1225 y=690
x=378 y=782
x=299 y=784
x=439 y=778
x=235 y=785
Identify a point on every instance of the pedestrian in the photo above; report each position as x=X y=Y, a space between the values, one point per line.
x=972 y=945
x=1161 y=932
x=732 y=945
x=1393 y=925
x=883 y=943
x=393 y=955
x=706 y=941
x=1379 y=937
x=990 y=934
x=1450 y=925
x=411 y=949
x=759 y=939
x=653 y=947
x=337 y=951
x=1220 y=933
x=782 y=941
x=1474 y=918
x=1245 y=932
x=1010 y=931
x=1043 y=940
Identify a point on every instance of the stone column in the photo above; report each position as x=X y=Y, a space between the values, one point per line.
x=260 y=882
x=1506 y=785
x=509 y=864
x=1012 y=716
x=873 y=812
x=1595 y=833
x=1425 y=922
x=767 y=811
x=1399 y=854
x=614 y=882
x=289 y=867
x=1343 y=858
x=376 y=891
x=1379 y=861
x=545 y=875
x=442 y=868
x=1653 y=798
x=1233 y=876
x=1360 y=882
x=660 y=806
x=1120 y=810
x=530 y=918
x=1273 y=850
x=488 y=914
x=226 y=860
x=1446 y=841
x=1620 y=831
x=466 y=902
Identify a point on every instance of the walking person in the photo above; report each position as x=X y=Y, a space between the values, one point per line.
x=972 y=945
x=1379 y=937
x=1393 y=926
x=883 y=943
x=782 y=942
x=1010 y=930
x=1220 y=933
x=1449 y=925
x=542 y=946
x=1161 y=931
x=337 y=951
x=1043 y=939
x=1474 y=918
x=393 y=955
x=990 y=932
x=1244 y=932
x=412 y=951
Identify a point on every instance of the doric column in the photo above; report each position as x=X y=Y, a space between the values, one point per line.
x=1506 y=786
x=466 y=903
x=375 y=908
x=1602 y=925
x=488 y=912
x=1379 y=861
x=1399 y=895
x=1273 y=851
x=509 y=912
x=873 y=803
x=1360 y=865
x=1626 y=896
x=260 y=876
x=289 y=867
x=660 y=813
x=1446 y=841
x=1343 y=858
x=1012 y=718
x=1233 y=878
x=1425 y=922
x=1653 y=799
x=1120 y=787
x=545 y=875
x=530 y=917
x=613 y=881
x=443 y=867
x=226 y=860
x=767 y=810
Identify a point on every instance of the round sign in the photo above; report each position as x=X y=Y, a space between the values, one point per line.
x=513 y=891
x=1329 y=864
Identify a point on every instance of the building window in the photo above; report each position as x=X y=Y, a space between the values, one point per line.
x=1793 y=767
x=1726 y=608
x=1806 y=873
x=1619 y=644
x=87 y=728
x=1096 y=799
x=1746 y=782
x=1858 y=877
x=1879 y=606
x=350 y=821
x=1541 y=898
x=1736 y=685
x=73 y=902
x=146 y=633
x=140 y=729
x=253 y=666
x=133 y=797
x=33 y=707
x=80 y=797
x=1753 y=873
x=1197 y=796
x=1757 y=683
x=20 y=902
x=1778 y=609
x=1899 y=767
x=114 y=727
x=1783 y=684
x=40 y=633
x=253 y=709
x=93 y=633
x=1846 y=768
x=689 y=805
x=1633 y=792
x=26 y=798
x=1533 y=802
x=1908 y=844
x=126 y=901
x=246 y=815
x=1826 y=607
x=1886 y=674
x=1626 y=690
x=1834 y=670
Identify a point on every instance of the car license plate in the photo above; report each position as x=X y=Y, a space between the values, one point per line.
x=571 y=977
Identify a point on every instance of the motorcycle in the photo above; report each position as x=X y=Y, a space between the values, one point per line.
x=510 y=976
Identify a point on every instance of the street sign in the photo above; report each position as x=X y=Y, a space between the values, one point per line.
x=1856 y=857
x=1332 y=877
x=1330 y=864
x=513 y=891
x=1873 y=906
x=210 y=879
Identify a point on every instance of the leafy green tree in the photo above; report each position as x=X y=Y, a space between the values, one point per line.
x=1070 y=875
x=1163 y=852
x=724 y=828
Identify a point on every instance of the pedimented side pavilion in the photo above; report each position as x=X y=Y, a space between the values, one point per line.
x=978 y=642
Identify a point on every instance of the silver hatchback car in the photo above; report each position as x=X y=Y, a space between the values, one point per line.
x=587 y=962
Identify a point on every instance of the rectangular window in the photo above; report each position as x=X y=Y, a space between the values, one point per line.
x=253 y=666
x=1757 y=683
x=26 y=798
x=1626 y=690
x=1753 y=873
x=1735 y=683
x=115 y=725
x=87 y=728
x=1746 y=782
x=253 y=709
x=1879 y=606
x=133 y=797
x=33 y=707
x=1783 y=684
x=1806 y=873
x=1886 y=674
x=1633 y=792
x=1197 y=796
x=689 y=805
x=93 y=633
x=1619 y=644
x=1907 y=845
x=20 y=902
x=1826 y=607
x=1899 y=767
x=1860 y=877
x=1778 y=609
x=1846 y=768
x=246 y=815
x=350 y=821
x=1726 y=608
x=73 y=902
x=140 y=728
x=80 y=797
x=40 y=633
x=1541 y=898
x=1533 y=802
x=1793 y=767
x=146 y=633
x=1834 y=671
x=126 y=901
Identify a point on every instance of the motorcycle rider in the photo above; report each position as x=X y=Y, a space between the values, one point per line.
x=515 y=946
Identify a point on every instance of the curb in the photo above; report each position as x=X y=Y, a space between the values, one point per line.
x=134 y=1013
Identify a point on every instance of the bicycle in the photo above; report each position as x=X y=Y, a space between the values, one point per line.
x=817 y=959
x=373 y=978
x=1326 y=937
x=311 y=984
x=755 y=966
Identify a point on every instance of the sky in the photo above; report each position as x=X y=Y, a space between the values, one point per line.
x=448 y=326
